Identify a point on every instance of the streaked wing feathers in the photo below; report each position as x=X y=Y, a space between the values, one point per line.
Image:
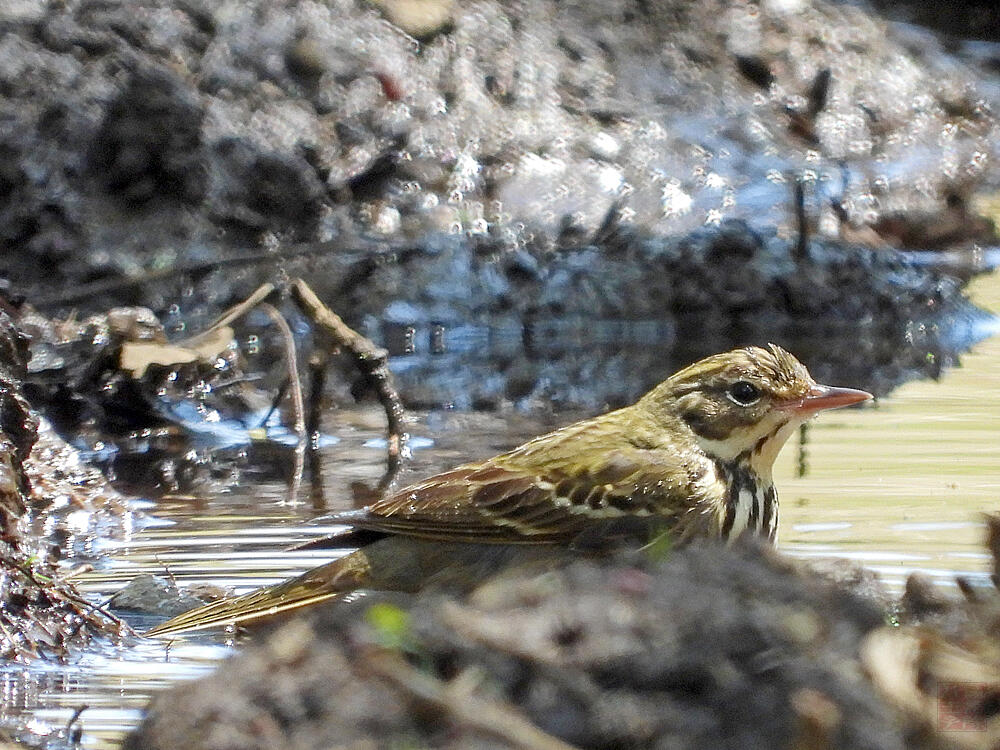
x=501 y=501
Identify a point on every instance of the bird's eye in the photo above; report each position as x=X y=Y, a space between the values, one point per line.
x=743 y=393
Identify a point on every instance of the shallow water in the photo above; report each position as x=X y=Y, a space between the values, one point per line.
x=901 y=486
x=898 y=486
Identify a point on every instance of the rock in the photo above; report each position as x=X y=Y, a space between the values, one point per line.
x=156 y=595
x=419 y=18
x=149 y=143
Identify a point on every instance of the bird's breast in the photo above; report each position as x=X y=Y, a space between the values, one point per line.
x=751 y=504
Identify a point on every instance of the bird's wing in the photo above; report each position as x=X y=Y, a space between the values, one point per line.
x=510 y=500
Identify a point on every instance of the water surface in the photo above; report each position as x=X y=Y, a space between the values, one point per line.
x=901 y=486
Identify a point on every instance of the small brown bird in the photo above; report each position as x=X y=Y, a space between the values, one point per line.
x=693 y=457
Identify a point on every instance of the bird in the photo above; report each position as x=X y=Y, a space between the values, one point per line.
x=692 y=458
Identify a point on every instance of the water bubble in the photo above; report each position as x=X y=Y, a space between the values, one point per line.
x=673 y=199
x=715 y=180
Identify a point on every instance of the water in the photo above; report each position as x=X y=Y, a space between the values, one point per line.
x=898 y=487
x=902 y=486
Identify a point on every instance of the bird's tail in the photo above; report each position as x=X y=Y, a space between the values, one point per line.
x=317 y=585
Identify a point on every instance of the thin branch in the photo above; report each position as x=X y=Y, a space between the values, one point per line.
x=279 y=396
x=75 y=599
x=802 y=462
x=167 y=570
x=259 y=300
x=18 y=646
x=491 y=717
x=317 y=382
x=236 y=311
x=801 y=220
x=106 y=286
x=370 y=359
x=77 y=712
x=291 y=362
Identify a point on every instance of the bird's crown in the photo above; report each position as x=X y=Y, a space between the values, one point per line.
x=772 y=369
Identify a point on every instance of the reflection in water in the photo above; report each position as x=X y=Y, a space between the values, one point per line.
x=897 y=487
x=113 y=683
x=600 y=326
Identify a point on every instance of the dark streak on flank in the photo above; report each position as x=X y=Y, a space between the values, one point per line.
x=754 y=513
x=731 y=501
x=769 y=523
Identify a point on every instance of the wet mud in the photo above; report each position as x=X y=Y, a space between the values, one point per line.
x=41 y=488
x=713 y=647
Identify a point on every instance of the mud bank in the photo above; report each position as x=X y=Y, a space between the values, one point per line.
x=713 y=647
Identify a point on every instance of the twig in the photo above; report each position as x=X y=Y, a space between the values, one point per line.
x=802 y=242
x=317 y=381
x=77 y=600
x=167 y=570
x=291 y=362
x=98 y=288
x=491 y=717
x=802 y=464
x=275 y=402
x=16 y=645
x=72 y=720
x=236 y=311
x=259 y=300
x=370 y=359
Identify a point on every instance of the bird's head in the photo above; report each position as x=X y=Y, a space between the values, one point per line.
x=747 y=402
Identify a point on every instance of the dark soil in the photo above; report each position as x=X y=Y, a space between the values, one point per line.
x=715 y=647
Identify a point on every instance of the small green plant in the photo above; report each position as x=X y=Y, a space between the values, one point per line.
x=660 y=547
x=392 y=626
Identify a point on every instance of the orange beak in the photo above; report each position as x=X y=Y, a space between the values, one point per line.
x=823 y=397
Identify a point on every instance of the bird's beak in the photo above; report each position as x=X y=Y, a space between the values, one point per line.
x=823 y=397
